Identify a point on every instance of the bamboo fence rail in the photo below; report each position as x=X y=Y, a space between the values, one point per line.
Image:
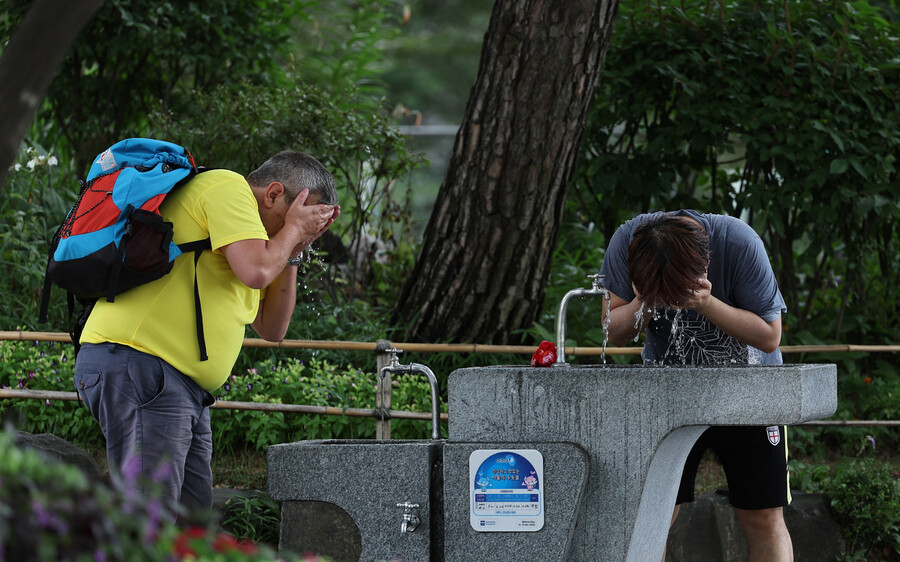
x=378 y=348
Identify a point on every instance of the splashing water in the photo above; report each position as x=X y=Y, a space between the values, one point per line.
x=310 y=257
x=639 y=321
x=605 y=330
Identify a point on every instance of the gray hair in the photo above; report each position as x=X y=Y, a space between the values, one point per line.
x=296 y=171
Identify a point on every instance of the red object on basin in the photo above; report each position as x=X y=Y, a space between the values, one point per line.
x=545 y=356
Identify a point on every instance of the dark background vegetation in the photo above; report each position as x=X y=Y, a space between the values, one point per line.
x=785 y=115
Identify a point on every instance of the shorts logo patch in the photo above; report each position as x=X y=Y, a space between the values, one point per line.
x=774 y=435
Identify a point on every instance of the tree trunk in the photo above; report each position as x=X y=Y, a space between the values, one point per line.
x=486 y=252
x=29 y=64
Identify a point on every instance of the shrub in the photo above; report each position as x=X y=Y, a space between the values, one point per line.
x=44 y=366
x=866 y=502
x=35 y=199
x=51 y=511
x=256 y=518
x=314 y=383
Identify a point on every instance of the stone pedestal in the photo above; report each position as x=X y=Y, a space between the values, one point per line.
x=613 y=440
x=364 y=480
x=637 y=425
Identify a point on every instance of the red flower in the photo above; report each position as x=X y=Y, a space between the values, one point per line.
x=190 y=539
x=226 y=543
x=182 y=546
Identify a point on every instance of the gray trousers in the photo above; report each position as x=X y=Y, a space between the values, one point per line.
x=155 y=420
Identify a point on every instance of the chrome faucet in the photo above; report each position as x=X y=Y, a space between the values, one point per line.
x=596 y=289
x=410 y=520
x=395 y=367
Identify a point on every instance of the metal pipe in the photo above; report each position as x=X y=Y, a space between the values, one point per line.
x=596 y=289
x=395 y=367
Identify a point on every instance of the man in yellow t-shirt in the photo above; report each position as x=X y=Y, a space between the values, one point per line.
x=139 y=369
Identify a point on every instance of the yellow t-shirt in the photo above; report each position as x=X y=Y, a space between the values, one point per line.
x=159 y=318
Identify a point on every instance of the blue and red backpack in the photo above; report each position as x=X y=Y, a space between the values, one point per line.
x=114 y=239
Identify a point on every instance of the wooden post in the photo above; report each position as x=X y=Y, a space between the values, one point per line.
x=382 y=391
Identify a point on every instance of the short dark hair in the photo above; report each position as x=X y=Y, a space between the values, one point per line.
x=296 y=171
x=667 y=254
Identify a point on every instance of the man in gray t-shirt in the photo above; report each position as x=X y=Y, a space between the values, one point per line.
x=702 y=290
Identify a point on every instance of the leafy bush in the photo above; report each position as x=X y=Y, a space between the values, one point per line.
x=51 y=511
x=256 y=518
x=44 y=366
x=866 y=501
x=34 y=202
x=314 y=383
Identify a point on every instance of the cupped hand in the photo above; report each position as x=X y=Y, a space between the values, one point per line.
x=312 y=220
x=307 y=242
x=699 y=297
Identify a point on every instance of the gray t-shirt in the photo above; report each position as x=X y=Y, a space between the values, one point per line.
x=741 y=276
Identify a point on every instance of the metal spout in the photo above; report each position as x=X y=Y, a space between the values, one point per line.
x=596 y=289
x=395 y=367
x=410 y=520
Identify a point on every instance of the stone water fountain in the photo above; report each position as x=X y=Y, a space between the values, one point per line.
x=603 y=445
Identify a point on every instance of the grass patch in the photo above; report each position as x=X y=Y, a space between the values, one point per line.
x=241 y=469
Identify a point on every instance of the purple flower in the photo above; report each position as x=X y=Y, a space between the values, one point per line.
x=162 y=472
x=154 y=516
x=131 y=470
x=46 y=519
x=227 y=387
x=249 y=387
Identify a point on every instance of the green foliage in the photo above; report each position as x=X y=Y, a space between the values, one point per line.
x=256 y=518
x=344 y=46
x=865 y=500
x=239 y=127
x=233 y=106
x=785 y=114
x=864 y=496
x=48 y=511
x=44 y=366
x=431 y=66
x=52 y=511
x=136 y=53
x=33 y=204
x=316 y=383
x=578 y=255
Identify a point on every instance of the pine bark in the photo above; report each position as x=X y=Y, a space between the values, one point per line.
x=485 y=256
x=29 y=64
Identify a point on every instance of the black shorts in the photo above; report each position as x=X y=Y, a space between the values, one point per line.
x=755 y=463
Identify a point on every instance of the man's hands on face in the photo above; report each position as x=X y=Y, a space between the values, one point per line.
x=313 y=220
